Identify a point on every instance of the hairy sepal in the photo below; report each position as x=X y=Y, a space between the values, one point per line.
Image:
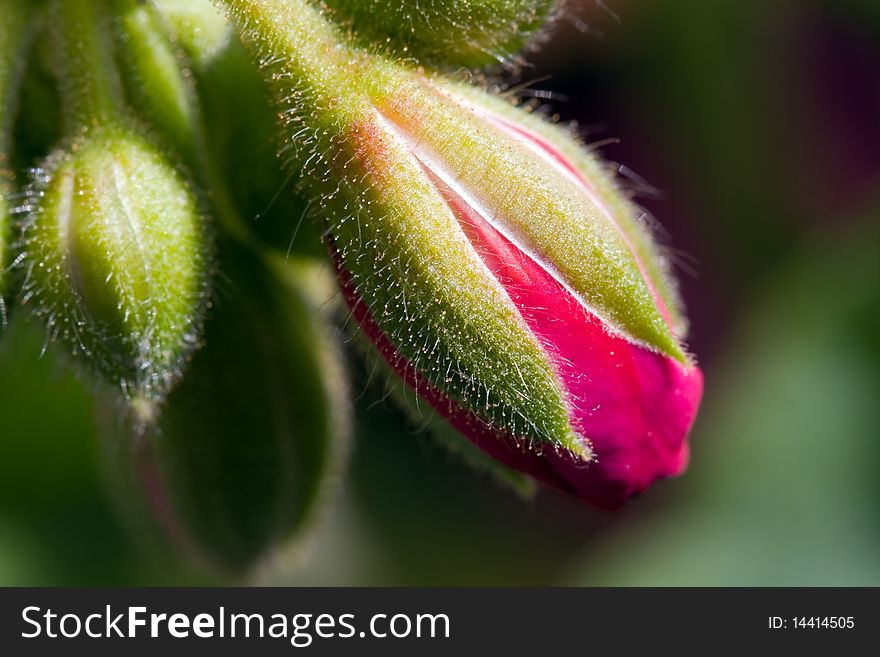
x=445 y=33
x=115 y=260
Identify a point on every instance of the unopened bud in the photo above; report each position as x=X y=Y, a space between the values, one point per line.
x=114 y=255
x=234 y=465
x=113 y=248
x=492 y=262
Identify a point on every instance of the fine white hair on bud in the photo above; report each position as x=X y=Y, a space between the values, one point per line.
x=113 y=244
x=492 y=264
x=114 y=260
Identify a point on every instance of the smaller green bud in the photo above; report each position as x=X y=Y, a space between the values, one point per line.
x=113 y=247
x=447 y=33
x=233 y=467
x=114 y=252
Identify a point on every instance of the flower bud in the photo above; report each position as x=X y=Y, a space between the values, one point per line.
x=114 y=246
x=449 y=33
x=235 y=464
x=114 y=255
x=492 y=263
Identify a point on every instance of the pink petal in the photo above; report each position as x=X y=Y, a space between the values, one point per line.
x=547 y=152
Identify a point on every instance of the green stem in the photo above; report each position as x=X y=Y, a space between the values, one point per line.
x=329 y=76
x=90 y=87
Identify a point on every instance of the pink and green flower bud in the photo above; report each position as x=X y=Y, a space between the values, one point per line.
x=448 y=33
x=114 y=246
x=234 y=468
x=492 y=263
x=14 y=29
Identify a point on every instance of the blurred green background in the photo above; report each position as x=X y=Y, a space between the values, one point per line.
x=760 y=123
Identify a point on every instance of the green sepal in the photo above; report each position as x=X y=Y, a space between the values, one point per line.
x=632 y=219
x=446 y=33
x=407 y=257
x=592 y=241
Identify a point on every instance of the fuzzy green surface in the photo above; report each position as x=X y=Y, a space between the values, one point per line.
x=114 y=248
x=83 y=58
x=239 y=460
x=593 y=245
x=438 y=303
x=409 y=258
x=163 y=95
x=448 y=33
x=115 y=259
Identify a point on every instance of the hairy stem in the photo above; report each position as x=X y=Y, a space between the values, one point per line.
x=90 y=86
